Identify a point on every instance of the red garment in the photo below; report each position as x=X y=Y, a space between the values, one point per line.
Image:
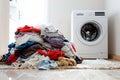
x=52 y=54
x=42 y=52
x=11 y=59
x=27 y=28
x=73 y=47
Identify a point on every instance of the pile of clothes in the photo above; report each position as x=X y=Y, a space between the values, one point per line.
x=41 y=47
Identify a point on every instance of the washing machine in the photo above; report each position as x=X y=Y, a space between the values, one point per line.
x=89 y=33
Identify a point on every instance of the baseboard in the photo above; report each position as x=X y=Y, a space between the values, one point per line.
x=114 y=57
x=111 y=56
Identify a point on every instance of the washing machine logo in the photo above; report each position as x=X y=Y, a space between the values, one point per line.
x=90 y=33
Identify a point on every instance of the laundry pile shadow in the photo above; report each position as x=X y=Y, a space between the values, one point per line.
x=41 y=47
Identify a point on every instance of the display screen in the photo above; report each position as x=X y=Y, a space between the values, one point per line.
x=99 y=13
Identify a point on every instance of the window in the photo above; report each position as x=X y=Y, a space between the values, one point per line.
x=26 y=12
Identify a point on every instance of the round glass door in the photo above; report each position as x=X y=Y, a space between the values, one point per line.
x=90 y=31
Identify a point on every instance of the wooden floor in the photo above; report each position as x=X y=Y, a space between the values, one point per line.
x=69 y=74
x=61 y=74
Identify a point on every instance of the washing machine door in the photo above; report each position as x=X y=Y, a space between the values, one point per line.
x=90 y=33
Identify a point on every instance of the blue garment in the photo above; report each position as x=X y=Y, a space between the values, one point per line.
x=10 y=46
x=47 y=64
x=21 y=58
x=27 y=44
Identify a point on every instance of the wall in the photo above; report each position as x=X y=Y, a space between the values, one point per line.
x=4 y=24
x=113 y=8
x=59 y=12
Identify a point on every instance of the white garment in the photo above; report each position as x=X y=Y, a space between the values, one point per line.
x=68 y=50
x=31 y=36
x=30 y=63
x=49 y=30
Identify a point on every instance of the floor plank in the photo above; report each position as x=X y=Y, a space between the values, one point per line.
x=69 y=74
